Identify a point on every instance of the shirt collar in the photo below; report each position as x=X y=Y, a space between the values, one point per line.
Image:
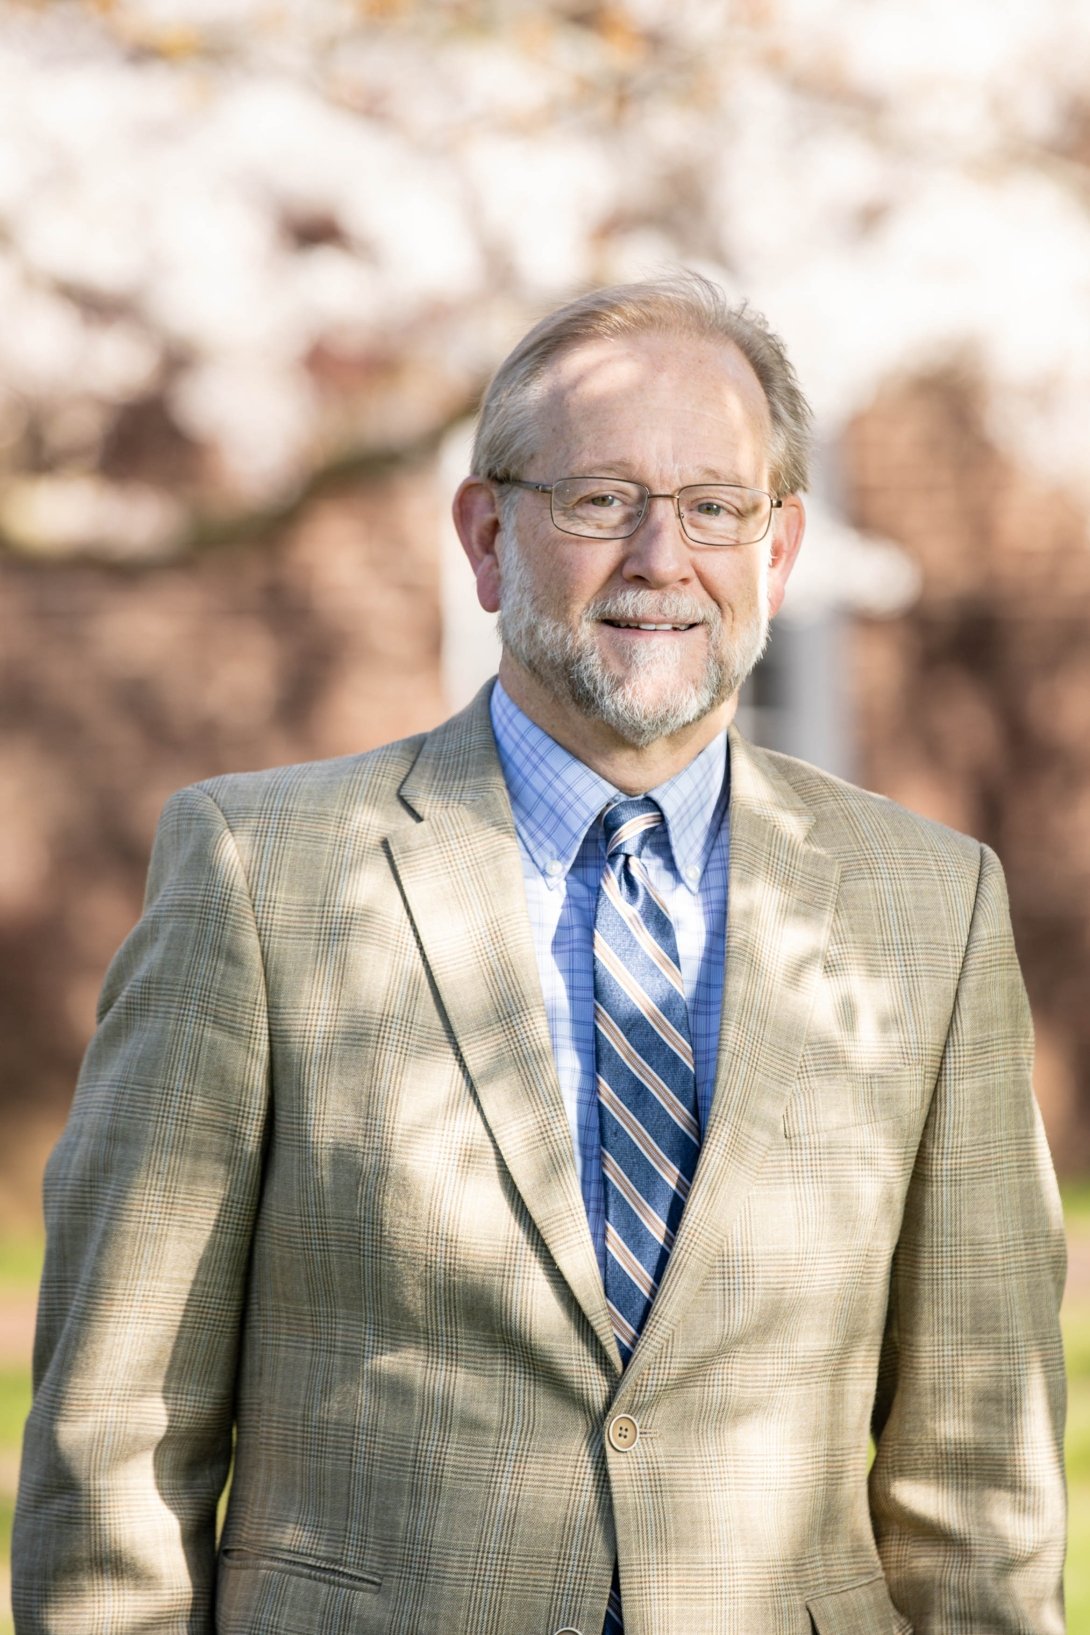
x=555 y=798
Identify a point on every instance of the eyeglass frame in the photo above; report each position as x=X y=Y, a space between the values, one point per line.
x=706 y=544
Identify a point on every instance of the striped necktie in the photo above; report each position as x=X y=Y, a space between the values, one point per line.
x=647 y=1107
x=644 y=1058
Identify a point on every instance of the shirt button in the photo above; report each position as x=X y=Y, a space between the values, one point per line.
x=623 y=1433
x=692 y=872
x=553 y=868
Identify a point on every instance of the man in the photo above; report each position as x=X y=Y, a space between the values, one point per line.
x=552 y=1143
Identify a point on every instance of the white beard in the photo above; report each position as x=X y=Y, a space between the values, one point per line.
x=649 y=702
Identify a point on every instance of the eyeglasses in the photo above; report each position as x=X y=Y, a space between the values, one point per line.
x=709 y=513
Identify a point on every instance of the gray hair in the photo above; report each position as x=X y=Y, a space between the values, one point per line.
x=683 y=304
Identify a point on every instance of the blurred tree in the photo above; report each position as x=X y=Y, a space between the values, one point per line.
x=244 y=241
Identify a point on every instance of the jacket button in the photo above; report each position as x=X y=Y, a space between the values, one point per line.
x=569 y=1629
x=623 y=1433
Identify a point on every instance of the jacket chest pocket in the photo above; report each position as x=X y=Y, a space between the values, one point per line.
x=826 y=1106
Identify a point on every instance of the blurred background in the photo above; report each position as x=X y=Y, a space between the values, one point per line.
x=257 y=260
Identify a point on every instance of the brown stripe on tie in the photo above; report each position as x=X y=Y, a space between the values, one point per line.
x=643 y=936
x=634 y=826
x=624 y=979
x=636 y=1201
x=651 y=1151
x=624 y=1257
x=645 y=1073
x=622 y=1328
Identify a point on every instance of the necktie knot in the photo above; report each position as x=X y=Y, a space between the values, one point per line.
x=627 y=823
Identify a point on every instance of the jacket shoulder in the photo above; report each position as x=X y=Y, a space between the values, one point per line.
x=456 y=754
x=854 y=822
x=369 y=779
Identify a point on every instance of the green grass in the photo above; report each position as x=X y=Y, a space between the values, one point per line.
x=1076 y=1199
x=20 y=1263
x=14 y=1407
x=1076 y=1202
x=20 y=1269
x=1077 y=1343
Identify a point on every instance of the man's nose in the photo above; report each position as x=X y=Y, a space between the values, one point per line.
x=658 y=552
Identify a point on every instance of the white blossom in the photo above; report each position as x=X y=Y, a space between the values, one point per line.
x=202 y=197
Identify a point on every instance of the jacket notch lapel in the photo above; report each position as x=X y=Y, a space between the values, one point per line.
x=460 y=875
x=781 y=900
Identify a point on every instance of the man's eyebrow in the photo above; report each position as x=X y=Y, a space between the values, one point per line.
x=608 y=468
x=626 y=470
x=733 y=479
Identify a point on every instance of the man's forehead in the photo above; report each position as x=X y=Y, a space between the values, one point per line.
x=617 y=361
x=687 y=380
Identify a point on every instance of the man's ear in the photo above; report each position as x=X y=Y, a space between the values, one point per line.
x=789 y=525
x=477 y=519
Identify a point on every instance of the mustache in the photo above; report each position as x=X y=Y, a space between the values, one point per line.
x=651 y=607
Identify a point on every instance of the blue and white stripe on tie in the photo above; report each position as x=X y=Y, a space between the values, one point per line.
x=646 y=1086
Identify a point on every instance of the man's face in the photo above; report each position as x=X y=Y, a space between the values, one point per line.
x=665 y=411
x=661 y=686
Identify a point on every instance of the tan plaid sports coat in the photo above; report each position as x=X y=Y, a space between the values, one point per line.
x=318 y=1184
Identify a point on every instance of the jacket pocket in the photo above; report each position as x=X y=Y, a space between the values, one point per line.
x=840 y=1106
x=286 y=1561
x=860 y=1609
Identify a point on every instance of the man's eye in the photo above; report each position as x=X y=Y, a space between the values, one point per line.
x=717 y=508
x=603 y=502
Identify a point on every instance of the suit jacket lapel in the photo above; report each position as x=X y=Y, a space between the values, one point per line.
x=782 y=894
x=457 y=862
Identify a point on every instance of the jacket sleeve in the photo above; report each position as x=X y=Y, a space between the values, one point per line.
x=149 y=1201
x=966 y=1490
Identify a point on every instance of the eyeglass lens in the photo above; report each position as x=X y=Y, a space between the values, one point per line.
x=711 y=513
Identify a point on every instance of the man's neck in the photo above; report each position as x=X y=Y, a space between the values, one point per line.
x=629 y=768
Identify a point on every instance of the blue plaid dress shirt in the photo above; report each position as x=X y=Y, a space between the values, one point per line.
x=557 y=804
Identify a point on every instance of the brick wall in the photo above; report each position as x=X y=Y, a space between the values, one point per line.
x=974 y=707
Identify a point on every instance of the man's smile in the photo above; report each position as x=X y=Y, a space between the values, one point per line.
x=620 y=624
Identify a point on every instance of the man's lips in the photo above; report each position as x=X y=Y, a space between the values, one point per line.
x=627 y=624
